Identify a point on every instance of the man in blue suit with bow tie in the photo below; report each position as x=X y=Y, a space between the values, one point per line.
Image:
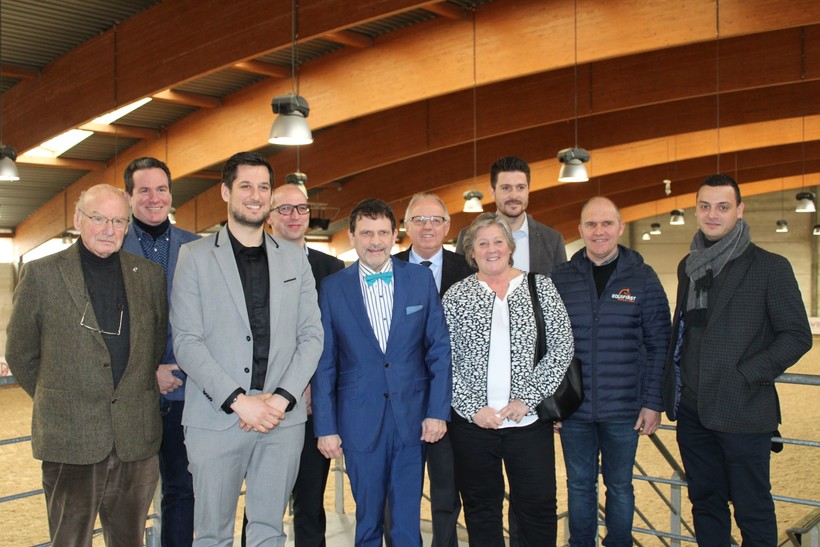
x=383 y=385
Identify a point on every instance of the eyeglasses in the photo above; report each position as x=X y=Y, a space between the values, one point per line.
x=434 y=221
x=302 y=209
x=119 y=223
x=95 y=329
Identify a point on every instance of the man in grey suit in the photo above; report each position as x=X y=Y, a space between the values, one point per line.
x=85 y=336
x=739 y=323
x=538 y=248
x=247 y=332
x=151 y=235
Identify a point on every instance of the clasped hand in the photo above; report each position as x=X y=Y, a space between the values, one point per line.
x=260 y=413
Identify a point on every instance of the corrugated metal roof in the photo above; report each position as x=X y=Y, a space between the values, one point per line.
x=222 y=83
x=156 y=114
x=307 y=51
x=36 y=186
x=393 y=23
x=36 y=33
x=186 y=188
x=99 y=147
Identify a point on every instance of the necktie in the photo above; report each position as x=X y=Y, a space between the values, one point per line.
x=387 y=277
x=426 y=263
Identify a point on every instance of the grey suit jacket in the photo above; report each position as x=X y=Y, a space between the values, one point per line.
x=212 y=335
x=547 y=248
x=78 y=416
x=757 y=329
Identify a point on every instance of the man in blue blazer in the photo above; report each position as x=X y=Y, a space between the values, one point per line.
x=152 y=236
x=383 y=385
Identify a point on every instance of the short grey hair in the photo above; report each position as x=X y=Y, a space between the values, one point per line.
x=88 y=193
x=420 y=196
x=485 y=220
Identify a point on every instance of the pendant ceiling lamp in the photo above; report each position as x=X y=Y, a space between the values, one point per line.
x=573 y=159
x=676 y=218
x=290 y=127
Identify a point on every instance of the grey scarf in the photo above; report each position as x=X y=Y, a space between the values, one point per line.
x=704 y=263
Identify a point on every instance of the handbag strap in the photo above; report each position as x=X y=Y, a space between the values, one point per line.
x=541 y=341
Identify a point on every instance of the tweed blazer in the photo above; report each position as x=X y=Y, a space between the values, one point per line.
x=79 y=417
x=547 y=249
x=757 y=329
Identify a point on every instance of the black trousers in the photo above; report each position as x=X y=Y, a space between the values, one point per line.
x=528 y=456
x=727 y=466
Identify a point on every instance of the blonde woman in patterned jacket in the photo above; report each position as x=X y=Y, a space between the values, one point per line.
x=496 y=388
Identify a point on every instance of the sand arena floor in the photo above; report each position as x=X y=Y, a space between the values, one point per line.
x=795 y=471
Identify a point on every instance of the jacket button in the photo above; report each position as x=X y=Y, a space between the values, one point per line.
x=386 y=396
x=114 y=400
x=106 y=365
x=387 y=365
x=248 y=338
x=247 y=369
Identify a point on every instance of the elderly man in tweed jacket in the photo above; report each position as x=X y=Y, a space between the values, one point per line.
x=86 y=334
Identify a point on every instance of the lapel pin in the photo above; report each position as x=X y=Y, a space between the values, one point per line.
x=135 y=269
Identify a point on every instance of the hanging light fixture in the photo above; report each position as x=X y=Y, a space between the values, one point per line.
x=816 y=230
x=782 y=226
x=805 y=203
x=655 y=229
x=676 y=218
x=472 y=202
x=8 y=155
x=8 y=169
x=645 y=236
x=573 y=159
x=172 y=215
x=472 y=198
x=290 y=127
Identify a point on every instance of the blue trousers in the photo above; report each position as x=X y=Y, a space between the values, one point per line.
x=394 y=472
x=616 y=442
x=722 y=467
x=177 y=484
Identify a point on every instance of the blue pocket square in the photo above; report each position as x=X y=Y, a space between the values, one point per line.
x=414 y=309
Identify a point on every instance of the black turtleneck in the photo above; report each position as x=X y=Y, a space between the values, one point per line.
x=106 y=291
x=153 y=231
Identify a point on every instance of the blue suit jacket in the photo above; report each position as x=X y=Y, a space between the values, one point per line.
x=178 y=237
x=355 y=380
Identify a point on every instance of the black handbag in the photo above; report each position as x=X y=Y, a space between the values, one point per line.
x=570 y=394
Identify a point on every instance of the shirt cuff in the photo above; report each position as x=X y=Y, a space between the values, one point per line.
x=226 y=406
x=284 y=393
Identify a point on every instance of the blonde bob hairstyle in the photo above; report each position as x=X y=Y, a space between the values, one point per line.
x=485 y=220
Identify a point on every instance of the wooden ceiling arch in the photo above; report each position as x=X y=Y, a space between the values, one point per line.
x=396 y=118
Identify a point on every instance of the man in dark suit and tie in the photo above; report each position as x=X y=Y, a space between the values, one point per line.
x=383 y=385
x=427 y=223
x=739 y=323
x=152 y=236
x=538 y=248
x=86 y=333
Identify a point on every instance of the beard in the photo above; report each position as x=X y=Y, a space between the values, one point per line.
x=240 y=217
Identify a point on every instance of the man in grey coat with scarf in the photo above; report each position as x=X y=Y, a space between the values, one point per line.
x=739 y=323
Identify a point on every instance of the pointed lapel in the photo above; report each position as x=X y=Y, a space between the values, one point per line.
x=401 y=282
x=355 y=300
x=72 y=271
x=223 y=254
x=276 y=282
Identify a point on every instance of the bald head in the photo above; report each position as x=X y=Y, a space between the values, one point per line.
x=293 y=225
x=600 y=228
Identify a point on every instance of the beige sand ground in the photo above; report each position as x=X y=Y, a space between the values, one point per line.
x=794 y=471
